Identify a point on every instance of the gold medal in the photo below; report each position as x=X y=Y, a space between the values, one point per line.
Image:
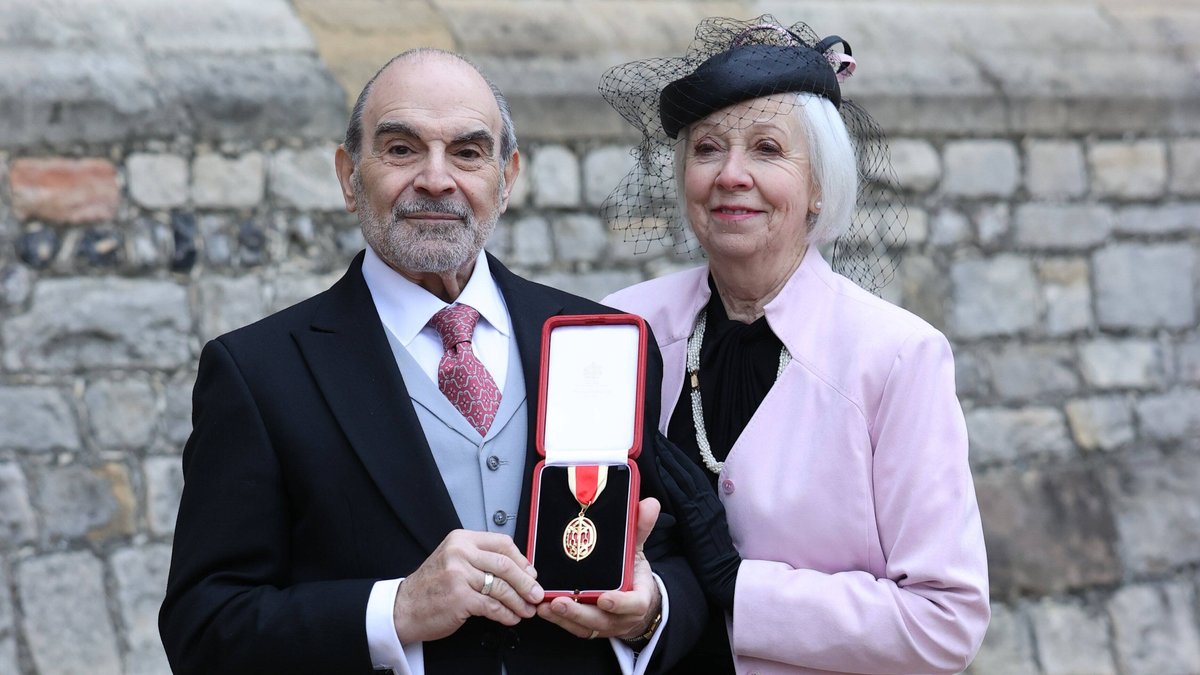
x=586 y=483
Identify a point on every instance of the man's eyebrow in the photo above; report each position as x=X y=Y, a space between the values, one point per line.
x=394 y=128
x=481 y=136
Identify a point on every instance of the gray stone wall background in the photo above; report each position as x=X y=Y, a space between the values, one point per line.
x=165 y=175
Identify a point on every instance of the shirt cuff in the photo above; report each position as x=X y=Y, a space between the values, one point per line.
x=386 y=650
x=636 y=663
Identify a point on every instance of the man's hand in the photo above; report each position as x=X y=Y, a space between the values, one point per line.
x=446 y=589
x=623 y=614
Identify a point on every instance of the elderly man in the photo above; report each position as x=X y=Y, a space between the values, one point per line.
x=348 y=509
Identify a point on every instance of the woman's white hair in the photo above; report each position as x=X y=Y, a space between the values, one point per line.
x=831 y=162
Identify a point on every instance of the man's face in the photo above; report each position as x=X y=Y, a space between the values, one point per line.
x=429 y=186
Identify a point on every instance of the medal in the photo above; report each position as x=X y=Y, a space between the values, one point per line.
x=586 y=483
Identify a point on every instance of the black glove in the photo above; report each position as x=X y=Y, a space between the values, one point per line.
x=706 y=539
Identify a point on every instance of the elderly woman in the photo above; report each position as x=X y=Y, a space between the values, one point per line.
x=825 y=418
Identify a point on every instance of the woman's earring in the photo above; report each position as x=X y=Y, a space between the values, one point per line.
x=817 y=206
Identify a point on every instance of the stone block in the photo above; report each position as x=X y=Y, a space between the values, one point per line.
x=971 y=375
x=18 y=522
x=290 y=289
x=306 y=179
x=591 y=285
x=164 y=486
x=555 y=174
x=141 y=575
x=1176 y=218
x=1185 y=167
x=980 y=168
x=1072 y=638
x=1188 y=355
x=531 y=242
x=1067 y=295
x=123 y=413
x=1145 y=286
x=102 y=322
x=1070 y=227
x=518 y=196
x=64 y=190
x=16 y=283
x=221 y=26
x=1032 y=372
x=1154 y=628
x=79 y=501
x=1157 y=512
x=916 y=228
x=1005 y=435
x=603 y=170
x=579 y=237
x=223 y=182
x=224 y=304
x=1007 y=647
x=1101 y=423
x=177 y=415
x=157 y=181
x=1054 y=169
x=949 y=227
x=993 y=222
x=36 y=419
x=1116 y=363
x=923 y=289
x=993 y=296
x=1048 y=531
x=1173 y=416
x=8 y=628
x=1128 y=169
x=917 y=164
x=66 y=622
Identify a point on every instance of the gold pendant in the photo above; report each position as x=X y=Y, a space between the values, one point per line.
x=579 y=539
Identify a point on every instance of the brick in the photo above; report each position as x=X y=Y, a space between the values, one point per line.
x=1157 y=511
x=591 y=285
x=1072 y=638
x=531 y=242
x=555 y=174
x=949 y=227
x=1048 y=531
x=995 y=296
x=305 y=179
x=164 y=486
x=141 y=575
x=1055 y=169
x=36 y=419
x=1145 y=286
x=1067 y=295
x=603 y=170
x=917 y=164
x=1100 y=423
x=1128 y=170
x=1032 y=372
x=18 y=523
x=122 y=413
x=1154 y=628
x=66 y=623
x=1071 y=227
x=1004 y=435
x=1178 y=218
x=1173 y=416
x=79 y=501
x=980 y=168
x=1185 y=167
x=218 y=181
x=157 y=181
x=1115 y=363
x=1007 y=647
x=226 y=303
x=64 y=190
x=579 y=237
x=100 y=323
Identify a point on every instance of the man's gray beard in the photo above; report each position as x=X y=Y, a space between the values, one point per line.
x=431 y=248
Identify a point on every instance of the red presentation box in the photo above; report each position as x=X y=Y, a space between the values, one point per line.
x=589 y=430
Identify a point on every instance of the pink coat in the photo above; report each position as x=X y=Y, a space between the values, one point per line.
x=849 y=495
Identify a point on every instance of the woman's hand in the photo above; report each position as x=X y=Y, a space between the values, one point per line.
x=707 y=542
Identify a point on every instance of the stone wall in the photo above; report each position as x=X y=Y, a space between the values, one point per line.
x=166 y=175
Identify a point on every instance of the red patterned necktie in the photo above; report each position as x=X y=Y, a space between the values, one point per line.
x=461 y=375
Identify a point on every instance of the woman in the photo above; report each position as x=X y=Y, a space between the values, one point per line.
x=825 y=418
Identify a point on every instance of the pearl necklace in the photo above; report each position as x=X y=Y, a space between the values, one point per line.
x=693 y=368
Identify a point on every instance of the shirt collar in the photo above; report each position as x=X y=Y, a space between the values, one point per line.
x=405 y=308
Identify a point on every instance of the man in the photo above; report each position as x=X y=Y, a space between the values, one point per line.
x=340 y=513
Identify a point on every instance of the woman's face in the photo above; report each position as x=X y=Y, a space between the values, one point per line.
x=747 y=183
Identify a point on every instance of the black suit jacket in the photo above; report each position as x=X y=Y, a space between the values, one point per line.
x=308 y=478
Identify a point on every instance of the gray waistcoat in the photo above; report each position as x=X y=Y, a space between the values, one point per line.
x=482 y=474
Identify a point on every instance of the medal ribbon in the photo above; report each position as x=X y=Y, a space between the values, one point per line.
x=587 y=482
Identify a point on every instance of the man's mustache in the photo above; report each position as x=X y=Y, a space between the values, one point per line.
x=408 y=208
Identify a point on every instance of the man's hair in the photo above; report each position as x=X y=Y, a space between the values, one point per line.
x=354 y=130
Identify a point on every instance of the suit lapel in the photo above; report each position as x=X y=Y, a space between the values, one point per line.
x=529 y=305
x=348 y=353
